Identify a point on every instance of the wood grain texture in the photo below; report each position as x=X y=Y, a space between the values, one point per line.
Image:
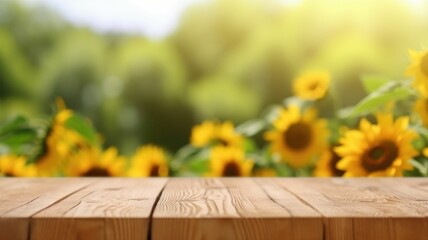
x=306 y=221
x=214 y=208
x=230 y=208
x=20 y=199
x=365 y=208
x=113 y=208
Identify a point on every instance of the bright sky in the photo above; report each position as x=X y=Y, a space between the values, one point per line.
x=153 y=18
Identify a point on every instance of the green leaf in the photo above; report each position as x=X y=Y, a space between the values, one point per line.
x=293 y=100
x=283 y=170
x=372 y=83
x=19 y=136
x=83 y=127
x=420 y=142
x=4 y=149
x=420 y=130
x=260 y=160
x=251 y=128
x=390 y=92
x=272 y=113
x=421 y=167
x=199 y=165
x=249 y=145
x=186 y=152
x=15 y=123
x=372 y=103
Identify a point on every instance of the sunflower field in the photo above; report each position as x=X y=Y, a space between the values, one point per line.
x=374 y=138
x=304 y=88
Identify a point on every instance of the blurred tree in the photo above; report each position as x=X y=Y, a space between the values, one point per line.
x=155 y=87
x=16 y=85
x=223 y=99
x=34 y=29
x=74 y=71
x=263 y=64
x=208 y=33
x=351 y=39
x=226 y=60
x=15 y=73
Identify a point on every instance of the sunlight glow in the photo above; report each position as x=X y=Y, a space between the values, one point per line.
x=153 y=18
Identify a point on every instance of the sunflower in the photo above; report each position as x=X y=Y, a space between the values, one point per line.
x=56 y=144
x=93 y=162
x=326 y=165
x=149 y=161
x=211 y=132
x=312 y=85
x=421 y=107
x=265 y=172
x=418 y=69
x=297 y=136
x=227 y=135
x=229 y=161
x=425 y=152
x=15 y=166
x=203 y=134
x=382 y=149
x=60 y=143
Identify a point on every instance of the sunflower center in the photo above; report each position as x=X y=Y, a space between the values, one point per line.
x=8 y=174
x=376 y=153
x=380 y=157
x=424 y=64
x=333 y=162
x=298 y=136
x=231 y=169
x=426 y=105
x=223 y=142
x=313 y=86
x=96 y=172
x=154 y=171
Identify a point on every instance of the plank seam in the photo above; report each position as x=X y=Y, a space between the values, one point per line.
x=273 y=200
x=300 y=199
x=324 y=218
x=10 y=210
x=66 y=196
x=231 y=198
x=50 y=205
x=155 y=204
x=80 y=201
x=324 y=228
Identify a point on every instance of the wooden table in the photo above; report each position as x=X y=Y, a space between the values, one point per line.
x=213 y=208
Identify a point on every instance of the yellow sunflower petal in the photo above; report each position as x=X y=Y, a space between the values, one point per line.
x=382 y=149
x=298 y=137
x=149 y=161
x=228 y=161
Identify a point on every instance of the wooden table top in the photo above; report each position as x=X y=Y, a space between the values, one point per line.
x=213 y=208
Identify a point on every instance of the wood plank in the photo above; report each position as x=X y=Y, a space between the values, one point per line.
x=306 y=221
x=413 y=194
x=406 y=208
x=113 y=208
x=364 y=208
x=191 y=208
x=22 y=197
x=229 y=208
x=214 y=208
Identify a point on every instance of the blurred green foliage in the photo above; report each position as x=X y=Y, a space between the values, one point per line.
x=226 y=60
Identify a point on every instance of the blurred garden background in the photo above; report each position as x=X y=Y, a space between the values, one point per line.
x=147 y=71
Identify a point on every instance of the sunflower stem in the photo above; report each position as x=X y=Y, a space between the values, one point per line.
x=337 y=102
x=423 y=168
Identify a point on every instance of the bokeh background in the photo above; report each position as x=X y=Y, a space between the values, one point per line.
x=147 y=71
